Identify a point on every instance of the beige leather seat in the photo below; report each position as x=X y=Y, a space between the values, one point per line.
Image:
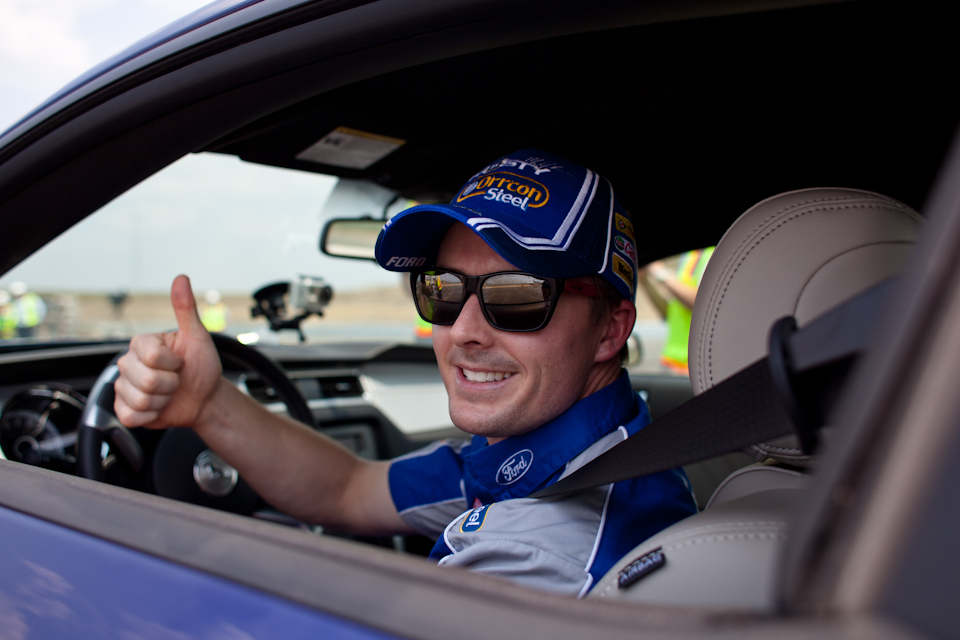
x=799 y=253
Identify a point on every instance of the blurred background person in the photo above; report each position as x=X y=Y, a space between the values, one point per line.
x=215 y=313
x=674 y=298
x=8 y=319
x=29 y=309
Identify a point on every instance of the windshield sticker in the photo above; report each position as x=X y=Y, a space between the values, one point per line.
x=475 y=520
x=509 y=188
x=514 y=467
x=350 y=148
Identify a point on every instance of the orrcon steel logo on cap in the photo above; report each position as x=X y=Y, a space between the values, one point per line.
x=515 y=466
x=509 y=188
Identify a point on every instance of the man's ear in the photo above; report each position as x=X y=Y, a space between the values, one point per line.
x=618 y=327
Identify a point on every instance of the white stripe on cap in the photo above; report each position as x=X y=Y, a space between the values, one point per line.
x=606 y=252
x=564 y=235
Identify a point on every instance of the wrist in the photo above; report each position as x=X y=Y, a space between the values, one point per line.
x=212 y=409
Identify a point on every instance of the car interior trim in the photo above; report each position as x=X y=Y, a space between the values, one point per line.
x=342 y=578
x=807 y=578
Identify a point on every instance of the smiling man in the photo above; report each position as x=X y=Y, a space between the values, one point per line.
x=529 y=276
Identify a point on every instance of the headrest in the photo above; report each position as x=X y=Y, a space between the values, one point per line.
x=797 y=254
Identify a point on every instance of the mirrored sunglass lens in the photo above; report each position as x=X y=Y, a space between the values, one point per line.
x=516 y=301
x=439 y=297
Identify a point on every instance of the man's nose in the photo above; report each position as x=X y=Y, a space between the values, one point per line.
x=470 y=325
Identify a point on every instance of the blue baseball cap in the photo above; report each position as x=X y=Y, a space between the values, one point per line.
x=542 y=213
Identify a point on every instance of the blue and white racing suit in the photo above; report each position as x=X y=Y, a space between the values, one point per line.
x=472 y=497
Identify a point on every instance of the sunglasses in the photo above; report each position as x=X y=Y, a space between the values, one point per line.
x=510 y=300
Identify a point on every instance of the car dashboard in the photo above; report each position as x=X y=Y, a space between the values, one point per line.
x=378 y=400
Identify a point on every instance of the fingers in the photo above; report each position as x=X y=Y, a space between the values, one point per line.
x=185 y=308
x=126 y=399
x=150 y=351
x=148 y=379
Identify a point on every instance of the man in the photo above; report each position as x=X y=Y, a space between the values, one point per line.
x=528 y=277
x=8 y=317
x=29 y=309
x=215 y=314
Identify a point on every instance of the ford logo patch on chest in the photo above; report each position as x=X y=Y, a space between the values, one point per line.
x=515 y=466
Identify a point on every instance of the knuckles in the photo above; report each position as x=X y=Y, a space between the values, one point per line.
x=151 y=350
x=138 y=402
x=130 y=417
x=152 y=354
x=149 y=381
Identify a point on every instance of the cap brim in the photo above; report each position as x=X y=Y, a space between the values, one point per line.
x=411 y=240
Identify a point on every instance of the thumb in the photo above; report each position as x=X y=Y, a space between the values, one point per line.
x=185 y=308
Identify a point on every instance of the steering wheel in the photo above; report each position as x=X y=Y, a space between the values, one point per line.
x=176 y=463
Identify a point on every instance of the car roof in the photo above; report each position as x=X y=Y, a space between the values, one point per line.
x=137 y=53
x=694 y=113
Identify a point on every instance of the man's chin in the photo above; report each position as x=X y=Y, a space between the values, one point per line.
x=488 y=424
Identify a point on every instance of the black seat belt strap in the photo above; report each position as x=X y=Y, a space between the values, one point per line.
x=788 y=392
x=712 y=421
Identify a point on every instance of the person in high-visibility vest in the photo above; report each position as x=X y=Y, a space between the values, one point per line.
x=678 y=308
x=423 y=329
x=8 y=318
x=29 y=310
x=215 y=313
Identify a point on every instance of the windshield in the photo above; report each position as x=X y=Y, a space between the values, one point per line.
x=234 y=227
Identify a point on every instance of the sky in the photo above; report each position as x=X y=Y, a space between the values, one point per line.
x=44 y=44
x=230 y=225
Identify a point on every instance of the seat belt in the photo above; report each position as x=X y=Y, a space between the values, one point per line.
x=789 y=391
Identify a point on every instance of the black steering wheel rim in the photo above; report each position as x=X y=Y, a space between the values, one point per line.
x=99 y=423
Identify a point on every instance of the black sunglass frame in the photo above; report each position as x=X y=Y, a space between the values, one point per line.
x=474 y=284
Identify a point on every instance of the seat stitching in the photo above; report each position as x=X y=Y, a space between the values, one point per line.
x=732 y=536
x=709 y=527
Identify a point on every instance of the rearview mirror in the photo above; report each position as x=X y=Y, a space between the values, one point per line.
x=351 y=238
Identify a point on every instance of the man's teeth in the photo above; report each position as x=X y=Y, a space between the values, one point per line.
x=485 y=376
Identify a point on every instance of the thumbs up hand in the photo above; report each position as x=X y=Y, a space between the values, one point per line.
x=166 y=378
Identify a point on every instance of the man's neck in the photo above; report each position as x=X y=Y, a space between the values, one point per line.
x=602 y=374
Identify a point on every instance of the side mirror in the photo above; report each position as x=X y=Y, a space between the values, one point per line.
x=351 y=238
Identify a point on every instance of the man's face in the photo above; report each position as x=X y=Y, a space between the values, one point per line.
x=542 y=373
